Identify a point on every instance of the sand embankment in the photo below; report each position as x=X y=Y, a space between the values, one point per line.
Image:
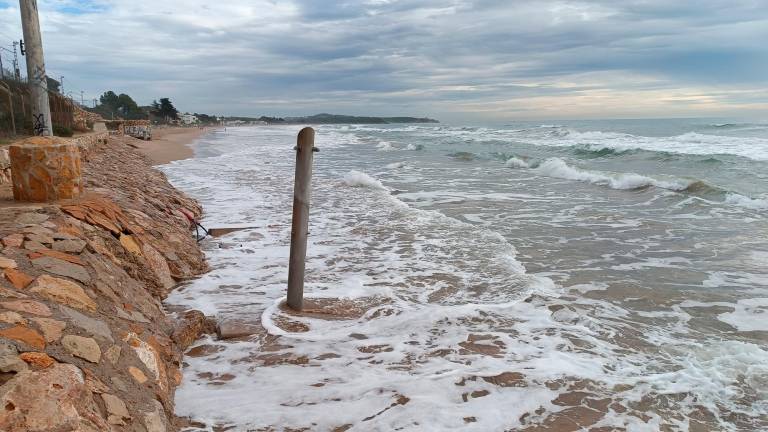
x=170 y=143
x=85 y=343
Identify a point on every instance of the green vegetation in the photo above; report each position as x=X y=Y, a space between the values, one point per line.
x=164 y=110
x=113 y=106
x=62 y=131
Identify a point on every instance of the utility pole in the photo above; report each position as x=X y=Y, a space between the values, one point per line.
x=38 y=81
x=82 y=103
x=2 y=72
x=61 y=84
x=16 y=70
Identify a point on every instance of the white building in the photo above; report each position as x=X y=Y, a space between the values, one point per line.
x=187 y=118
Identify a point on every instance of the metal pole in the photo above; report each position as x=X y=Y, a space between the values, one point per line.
x=2 y=72
x=41 y=109
x=300 y=226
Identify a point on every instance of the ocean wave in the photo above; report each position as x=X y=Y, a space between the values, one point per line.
x=558 y=168
x=463 y=156
x=385 y=146
x=688 y=143
x=360 y=179
x=515 y=162
x=747 y=202
x=414 y=147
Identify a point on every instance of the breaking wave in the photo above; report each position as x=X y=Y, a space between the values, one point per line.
x=360 y=179
x=556 y=167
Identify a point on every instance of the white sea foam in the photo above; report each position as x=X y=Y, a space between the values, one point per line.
x=360 y=179
x=558 y=168
x=441 y=280
x=747 y=202
x=396 y=165
x=385 y=146
x=749 y=315
x=515 y=162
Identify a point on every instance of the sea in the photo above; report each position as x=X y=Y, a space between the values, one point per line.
x=578 y=275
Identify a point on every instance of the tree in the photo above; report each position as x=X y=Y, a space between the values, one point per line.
x=54 y=85
x=164 y=110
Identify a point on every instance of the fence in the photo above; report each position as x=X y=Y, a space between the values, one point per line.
x=16 y=115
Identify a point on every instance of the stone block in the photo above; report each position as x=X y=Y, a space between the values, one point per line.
x=45 y=169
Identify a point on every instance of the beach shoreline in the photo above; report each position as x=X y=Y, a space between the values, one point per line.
x=169 y=144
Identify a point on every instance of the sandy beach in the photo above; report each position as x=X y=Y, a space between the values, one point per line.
x=170 y=144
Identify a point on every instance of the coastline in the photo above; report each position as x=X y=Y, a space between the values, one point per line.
x=80 y=300
x=169 y=144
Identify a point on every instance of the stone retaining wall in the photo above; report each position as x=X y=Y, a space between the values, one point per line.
x=84 y=341
x=85 y=142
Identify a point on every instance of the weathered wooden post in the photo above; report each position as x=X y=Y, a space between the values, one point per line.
x=305 y=146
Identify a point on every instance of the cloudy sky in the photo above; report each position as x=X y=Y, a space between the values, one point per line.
x=450 y=59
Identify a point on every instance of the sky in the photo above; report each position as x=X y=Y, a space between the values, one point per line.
x=455 y=60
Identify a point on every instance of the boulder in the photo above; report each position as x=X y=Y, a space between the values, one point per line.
x=63 y=291
x=191 y=326
x=85 y=348
x=24 y=335
x=51 y=328
x=62 y=268
x=51 y=399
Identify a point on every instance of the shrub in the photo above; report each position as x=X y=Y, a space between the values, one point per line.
x=62 y=131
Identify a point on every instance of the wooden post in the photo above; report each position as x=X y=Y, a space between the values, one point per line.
x=300 y=225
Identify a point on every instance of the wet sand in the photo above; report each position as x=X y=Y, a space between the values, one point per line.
x=170 y=144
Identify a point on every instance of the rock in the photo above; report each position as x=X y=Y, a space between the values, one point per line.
x=24 y=335
x=72 y=246
x=90 y=325
x=27 y=306
x=59 y=235
x=33 y=246
x=113 y=354
x=9 y=360
x=13 y=240
x=149 y=356
x=44 y=239
x=18 y=279
x=193 y=324
x=5 y=292
x=38 y=230
x=31 y=218
x=119 y=384
x=230 y=329
x=63 y=291
x=153 y=420
x=159 y=266
x=7 y=263
x=12 y=318
x=51 y=399
x=85 y=348
x=115 y=408
x=37 y=360
x=129 y=243
x=137 y=374
x=56 y=254
x=62 y=268
x=94 y=384
x=51 y=328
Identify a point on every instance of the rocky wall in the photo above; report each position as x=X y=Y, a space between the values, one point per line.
x=85 y=344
